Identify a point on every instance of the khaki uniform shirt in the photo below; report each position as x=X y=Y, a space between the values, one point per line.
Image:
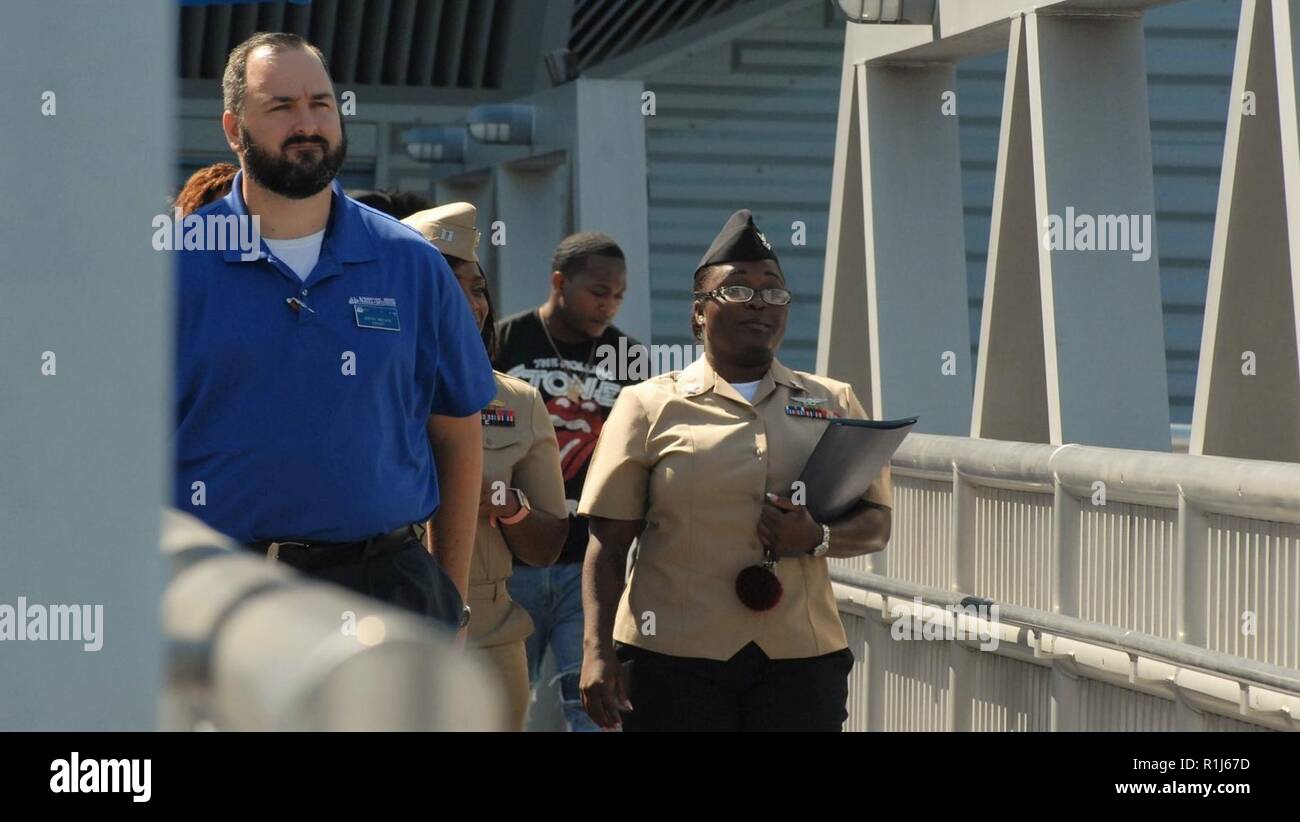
x=522 y=453
x=689 y=455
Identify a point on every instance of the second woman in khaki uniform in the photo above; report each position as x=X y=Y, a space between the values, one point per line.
x=522 y=511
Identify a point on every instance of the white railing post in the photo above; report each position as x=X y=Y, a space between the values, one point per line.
x=962 y=549
x=1067 y=579
x=1192 y=576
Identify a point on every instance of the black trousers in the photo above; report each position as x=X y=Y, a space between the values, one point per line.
x=409 y=578
x=748 y=692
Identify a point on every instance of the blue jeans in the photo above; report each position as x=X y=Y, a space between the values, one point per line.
x=553 y=598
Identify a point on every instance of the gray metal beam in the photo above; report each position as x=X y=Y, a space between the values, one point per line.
x=966 y=29
x=532 y=31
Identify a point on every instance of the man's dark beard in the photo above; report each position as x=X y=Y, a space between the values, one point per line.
x=295 y=179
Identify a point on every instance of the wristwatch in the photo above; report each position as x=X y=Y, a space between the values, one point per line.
x=524 y=509
x=464 y=616
x=825 y=546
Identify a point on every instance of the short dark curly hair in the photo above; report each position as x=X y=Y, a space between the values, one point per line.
x=396 y=204
x=571 y=254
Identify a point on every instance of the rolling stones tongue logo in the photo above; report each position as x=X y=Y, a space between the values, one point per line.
x=577 y=426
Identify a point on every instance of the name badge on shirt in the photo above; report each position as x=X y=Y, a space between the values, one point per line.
x=382 y=317
x=498 y=416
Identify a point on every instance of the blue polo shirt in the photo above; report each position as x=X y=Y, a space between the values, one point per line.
x=311 y=423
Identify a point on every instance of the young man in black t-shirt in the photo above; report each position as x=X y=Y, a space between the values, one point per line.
x=559 y=349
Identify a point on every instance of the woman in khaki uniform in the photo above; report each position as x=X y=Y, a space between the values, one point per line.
x=712 y=632
x=522 y=511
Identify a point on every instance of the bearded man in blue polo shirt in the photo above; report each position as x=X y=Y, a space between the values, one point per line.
x=328 y=385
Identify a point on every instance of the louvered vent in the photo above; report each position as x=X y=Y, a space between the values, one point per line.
x=603 y=29
x=420 y=43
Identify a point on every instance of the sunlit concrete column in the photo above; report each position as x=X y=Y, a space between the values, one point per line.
x=894 y=319
x=1248 y=380
x=1103 y=337
x=87 y=161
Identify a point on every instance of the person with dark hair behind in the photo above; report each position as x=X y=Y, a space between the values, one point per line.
x=396 y=204
x=376 y=199
x=522 y=513
x=205 y=185
x=554 y=348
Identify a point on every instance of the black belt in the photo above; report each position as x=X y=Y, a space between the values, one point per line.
x=308 y=555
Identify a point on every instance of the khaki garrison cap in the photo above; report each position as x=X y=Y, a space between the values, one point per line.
x=451 y=228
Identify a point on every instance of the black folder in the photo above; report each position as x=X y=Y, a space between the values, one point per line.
x=848 y=458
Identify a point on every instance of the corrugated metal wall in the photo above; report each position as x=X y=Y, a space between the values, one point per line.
x=425 y=43
x=604 y=29
x=745 y=124
x=754 y=125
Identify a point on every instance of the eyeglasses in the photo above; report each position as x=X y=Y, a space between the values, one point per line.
x=743 y=294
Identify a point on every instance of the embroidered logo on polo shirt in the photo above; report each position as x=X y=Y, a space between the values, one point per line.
x=388 y=302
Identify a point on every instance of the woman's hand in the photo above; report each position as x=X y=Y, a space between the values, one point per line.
x=487 y=508
x=603 y=685
x=786 y=529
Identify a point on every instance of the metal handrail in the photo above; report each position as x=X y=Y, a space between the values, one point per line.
x=253 y=645
x=1260 y=489
x=1178 y=653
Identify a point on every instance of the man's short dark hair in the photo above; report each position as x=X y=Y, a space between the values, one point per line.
x=234 y=82
x=572 y=252
x=396 y=204
x=376 y=199
x=406 y=203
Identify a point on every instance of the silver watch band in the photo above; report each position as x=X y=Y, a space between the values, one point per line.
x=825 y=547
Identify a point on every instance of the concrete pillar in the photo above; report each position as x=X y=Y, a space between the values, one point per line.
x=1248 y=381
x=87 y=161
x=894 y=316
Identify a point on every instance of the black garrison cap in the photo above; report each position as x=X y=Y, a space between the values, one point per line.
x=739 y=241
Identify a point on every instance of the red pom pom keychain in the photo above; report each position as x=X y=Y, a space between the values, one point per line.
x=758 y=587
